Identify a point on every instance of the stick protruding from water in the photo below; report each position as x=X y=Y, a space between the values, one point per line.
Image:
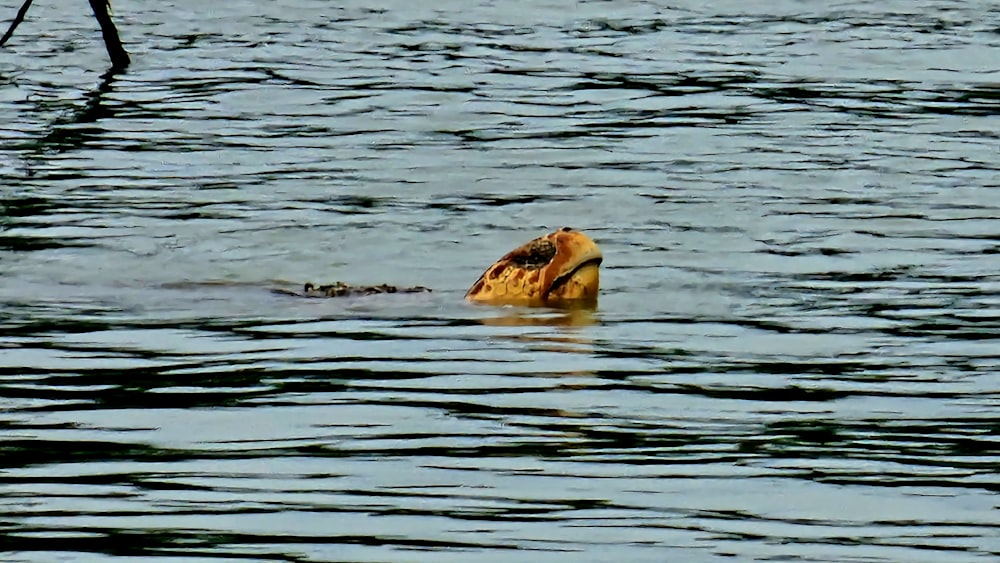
x=17 y=21
x=102 y=10
x=119 y=56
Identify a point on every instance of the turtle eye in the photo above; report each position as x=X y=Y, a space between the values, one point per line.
x=566 y=229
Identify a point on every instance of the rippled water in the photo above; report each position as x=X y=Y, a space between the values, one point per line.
x=795 y=356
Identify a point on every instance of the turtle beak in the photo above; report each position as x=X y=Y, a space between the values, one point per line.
x=577 y=270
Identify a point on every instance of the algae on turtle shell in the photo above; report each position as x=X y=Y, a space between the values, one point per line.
x=341 y=289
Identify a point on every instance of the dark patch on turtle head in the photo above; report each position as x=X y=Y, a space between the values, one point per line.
x=537 y=256
x=478 y=287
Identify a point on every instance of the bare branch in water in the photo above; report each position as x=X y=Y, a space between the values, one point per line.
x=17 y=21
x=117 y=52
x=102 y=10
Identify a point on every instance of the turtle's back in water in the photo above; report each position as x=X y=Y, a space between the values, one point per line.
x=560 y=269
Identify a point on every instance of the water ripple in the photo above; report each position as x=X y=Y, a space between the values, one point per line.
x=794 y=355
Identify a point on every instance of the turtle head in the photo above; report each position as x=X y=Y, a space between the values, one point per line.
x=560 y=269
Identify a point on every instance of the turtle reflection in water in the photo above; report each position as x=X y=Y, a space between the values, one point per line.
x=560 y=269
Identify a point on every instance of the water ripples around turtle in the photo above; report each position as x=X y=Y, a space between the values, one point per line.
x=795 y=354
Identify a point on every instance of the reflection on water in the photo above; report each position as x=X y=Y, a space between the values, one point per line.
x=581 y=317
x=794 y=354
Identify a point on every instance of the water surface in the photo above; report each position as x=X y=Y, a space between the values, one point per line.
x=794 y=357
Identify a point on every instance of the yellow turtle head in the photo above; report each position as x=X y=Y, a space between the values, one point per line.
x=560 y=269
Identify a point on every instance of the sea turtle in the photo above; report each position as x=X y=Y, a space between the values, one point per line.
x=560 y=269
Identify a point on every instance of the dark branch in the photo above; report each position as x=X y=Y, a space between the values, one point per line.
x=117 y=52
x=17 y=21
x=102 y=10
